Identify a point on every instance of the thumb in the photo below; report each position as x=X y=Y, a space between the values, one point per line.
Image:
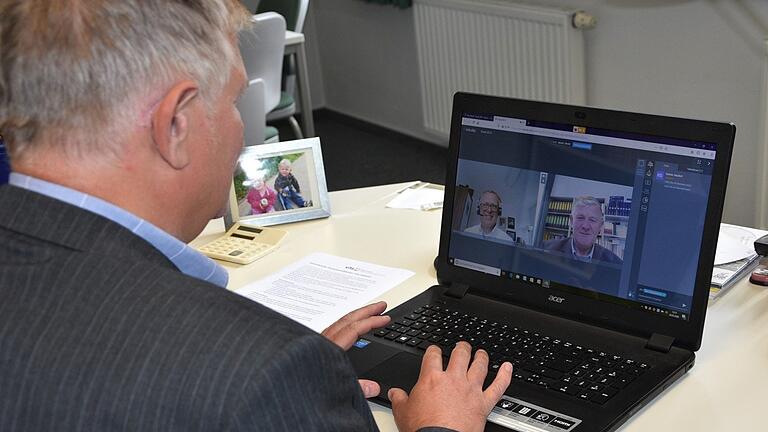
x=397 y=397
x=370 y=388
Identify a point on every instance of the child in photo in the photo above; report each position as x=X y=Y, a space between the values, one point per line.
x=261 y=197
x=288 y=187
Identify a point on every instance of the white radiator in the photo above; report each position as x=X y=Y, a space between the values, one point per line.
x=496 y=48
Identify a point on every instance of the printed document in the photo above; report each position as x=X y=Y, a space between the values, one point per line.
x=321 y=288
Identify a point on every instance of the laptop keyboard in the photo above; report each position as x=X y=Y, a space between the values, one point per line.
x=571 y=369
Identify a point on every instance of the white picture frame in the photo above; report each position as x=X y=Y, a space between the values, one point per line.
x=257 y=177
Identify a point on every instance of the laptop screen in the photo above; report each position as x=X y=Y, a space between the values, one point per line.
x=614 y=216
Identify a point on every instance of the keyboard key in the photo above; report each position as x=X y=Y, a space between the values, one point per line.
x=551 y=373
x=603 y=396
x=595 y=387
x=563 y=365
x=593 y=376
x=622 y=381
x=545 y=382
x=605 y=380
x=402 y=339
x=569 y=389
x=413 y=342
x=424 y=345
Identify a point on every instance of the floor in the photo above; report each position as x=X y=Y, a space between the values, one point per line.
x=358 y=154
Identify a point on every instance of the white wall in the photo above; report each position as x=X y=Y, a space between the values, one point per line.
x=694 y=58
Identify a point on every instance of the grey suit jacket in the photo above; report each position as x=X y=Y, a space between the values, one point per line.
x=100 y=332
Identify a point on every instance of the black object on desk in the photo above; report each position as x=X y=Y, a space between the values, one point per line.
x=760 y=274
x=761 y=245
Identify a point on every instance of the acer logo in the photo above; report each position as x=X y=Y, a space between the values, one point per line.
x=556 y=299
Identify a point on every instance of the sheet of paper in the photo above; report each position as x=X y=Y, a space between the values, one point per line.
x=735 y=243
x=320 y=288
x=419 y=196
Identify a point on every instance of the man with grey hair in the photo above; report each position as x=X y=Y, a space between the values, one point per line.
x=586 y=224
x=489 y=210
x=123 y=133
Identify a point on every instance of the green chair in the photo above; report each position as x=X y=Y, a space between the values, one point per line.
x=294 y=12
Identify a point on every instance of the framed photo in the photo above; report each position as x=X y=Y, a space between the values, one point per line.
x=279 y=183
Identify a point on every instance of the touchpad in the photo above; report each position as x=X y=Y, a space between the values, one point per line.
x=401 y=371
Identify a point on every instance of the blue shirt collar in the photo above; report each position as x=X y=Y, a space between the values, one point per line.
x=186 y=259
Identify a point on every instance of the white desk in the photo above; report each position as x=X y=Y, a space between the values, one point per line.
x=294 y=45
x=725 y=391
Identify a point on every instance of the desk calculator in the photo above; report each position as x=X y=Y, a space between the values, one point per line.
x=244 y=244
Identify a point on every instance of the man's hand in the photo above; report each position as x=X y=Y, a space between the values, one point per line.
x=351 y=326
x=453 y=398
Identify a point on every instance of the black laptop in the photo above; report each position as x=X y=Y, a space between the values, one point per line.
x=576 y=243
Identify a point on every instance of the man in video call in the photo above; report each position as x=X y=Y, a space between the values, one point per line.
x=123 y=132
x=489 y=210
x=586 y=221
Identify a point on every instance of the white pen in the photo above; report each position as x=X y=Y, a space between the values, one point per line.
x=416 y=185
x=432 y=205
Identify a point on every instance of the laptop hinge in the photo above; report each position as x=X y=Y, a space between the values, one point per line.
x=659 y=342
x=457 y=290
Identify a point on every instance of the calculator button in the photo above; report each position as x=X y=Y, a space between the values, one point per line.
x=235 y=253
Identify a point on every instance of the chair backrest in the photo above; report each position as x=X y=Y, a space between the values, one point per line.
x=251 y=106
x=262 y=48
x=294 y=11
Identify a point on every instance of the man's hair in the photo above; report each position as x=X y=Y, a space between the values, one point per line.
x=586 y=200
x=498 y=198
x=73 y=71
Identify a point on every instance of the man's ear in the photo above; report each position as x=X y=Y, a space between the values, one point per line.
x=171 y=123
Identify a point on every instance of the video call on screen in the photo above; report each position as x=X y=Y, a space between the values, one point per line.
x=586 y=211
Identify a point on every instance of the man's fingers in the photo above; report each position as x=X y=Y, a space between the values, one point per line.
x=347 y=335
x=478 y=370
x=370 y=388
x=496 y=389
x=432 y=361
x=460 y=357
x=364 y=312
x=397 y=397
x=372 y=311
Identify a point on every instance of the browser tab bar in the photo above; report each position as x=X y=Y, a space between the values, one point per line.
x=579 y=134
